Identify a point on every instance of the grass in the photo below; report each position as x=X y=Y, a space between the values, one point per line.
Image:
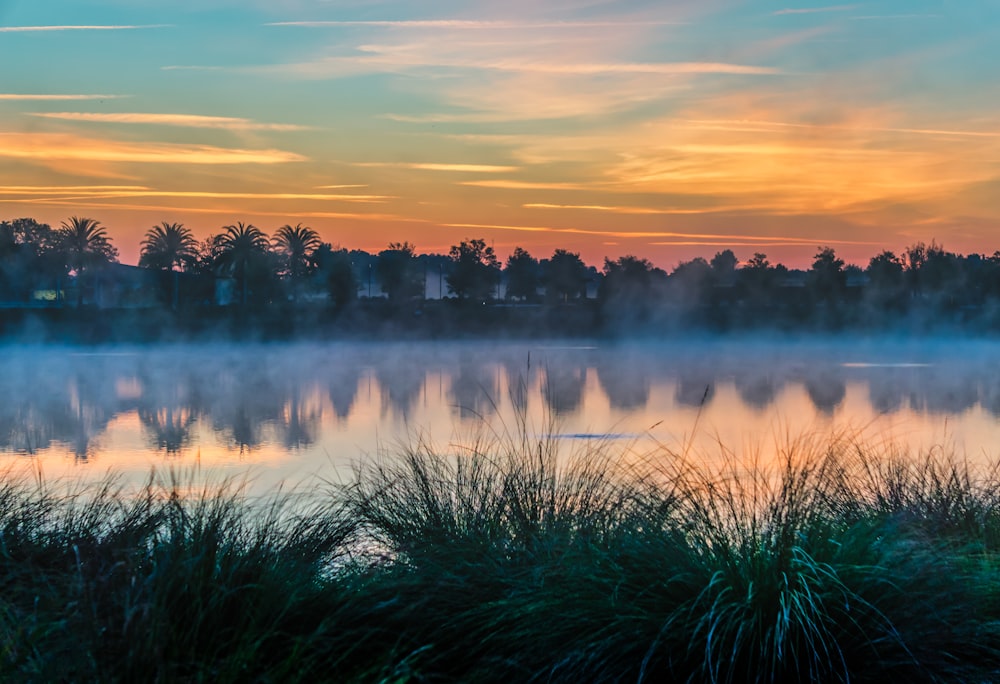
x=838 y=561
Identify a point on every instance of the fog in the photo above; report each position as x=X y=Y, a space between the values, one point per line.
x=293 y=411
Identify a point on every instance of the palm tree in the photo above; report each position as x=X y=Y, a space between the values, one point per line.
x=240 y=246
x=170 y=247
x=296 y=246
x=85 y=244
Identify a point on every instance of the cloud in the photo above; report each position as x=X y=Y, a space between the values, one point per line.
x=529 y=185
x=129 y=191
x=817 y=10
x=462 y=168
x=752 y=239
x=871 y=17
x=446 y=118
x=59 y=189
x=478 y=24
x=539 y=76
x=163 y=208
x=383 y=58
x=59 y=146
x=45 y=97
x=187 y=120
x=752 y=125
x=640 y=210
x=38 y=29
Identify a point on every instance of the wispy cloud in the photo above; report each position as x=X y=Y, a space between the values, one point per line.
x=472 y=117
x=665 y=68
x=816 y=10
x=108 y=193
x=426 y=166
x=530 y=185
x=515 y=77
x=478 y=25
x=380 y=57
x=752 y=239
x=56 y=97
x=55 y=146
x=61 y=189
x=750 y=125
x=186 y=120
x=83 y=27
x=230 y=211
x=613 y=209
x=872 y=17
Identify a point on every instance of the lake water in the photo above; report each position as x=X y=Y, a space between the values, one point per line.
x=294 y=412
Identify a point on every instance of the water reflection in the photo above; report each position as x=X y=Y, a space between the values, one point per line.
x=168 y=428
x=291 y=397
x=343 y=388
x=475 y=387
x=400 y=381
x=563 y=386
x=827 y=389
x=757 y=388
x=625 y=383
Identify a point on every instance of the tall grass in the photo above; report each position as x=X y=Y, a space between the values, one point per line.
x=515 y=560
x=104 y=585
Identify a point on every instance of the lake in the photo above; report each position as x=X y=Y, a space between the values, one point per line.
x=293 y=413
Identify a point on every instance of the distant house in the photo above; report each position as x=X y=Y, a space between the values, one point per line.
x=122 y=286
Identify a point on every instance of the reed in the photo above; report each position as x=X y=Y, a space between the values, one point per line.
x=512 y=558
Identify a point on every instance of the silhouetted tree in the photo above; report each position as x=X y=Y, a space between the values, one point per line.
x=826 y=278
x=522 y=275
x=475 y=270
x=242 y=252
x=28 y=257
x=941 y=274
x=336 y=273
x=565 y=276
x=724 y=267
x=85 y=246
x=628 y=281
x=398 y=273
x=169 y=247
x=295 y=248
x=691 y=282
x=914 y=258
x=885 y=288
x=757 y=274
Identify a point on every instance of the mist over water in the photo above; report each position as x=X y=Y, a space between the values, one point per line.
x=292 y=412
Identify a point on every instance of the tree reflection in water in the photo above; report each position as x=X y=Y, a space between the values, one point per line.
x=475 y=389
x=168 y=428
x=756 y=388
x=342 y=382
x=696 y=389
x=400 y=381
x=288 y=396
x=563 y=386
x=625 y=382
x=300 y=420
x=826 y=389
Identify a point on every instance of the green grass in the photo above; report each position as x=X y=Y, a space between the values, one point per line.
x=512 y=561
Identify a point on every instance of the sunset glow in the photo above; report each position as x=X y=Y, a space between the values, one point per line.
x=667 y=130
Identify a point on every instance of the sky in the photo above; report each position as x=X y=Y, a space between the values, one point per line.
x=661 y=129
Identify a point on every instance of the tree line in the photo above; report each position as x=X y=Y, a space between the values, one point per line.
x=294 y=265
